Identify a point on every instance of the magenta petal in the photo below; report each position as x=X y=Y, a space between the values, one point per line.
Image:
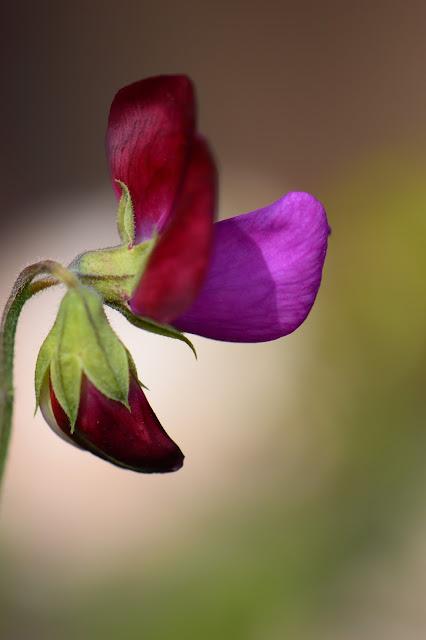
x=264 y=273
x=178 y=264
x=135 y=440
x=149 y=139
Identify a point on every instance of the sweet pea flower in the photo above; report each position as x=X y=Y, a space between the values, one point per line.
x=251 y=278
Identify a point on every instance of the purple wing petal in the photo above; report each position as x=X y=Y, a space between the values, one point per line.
x=264 y=273
x=178 y=264
x=149 y=139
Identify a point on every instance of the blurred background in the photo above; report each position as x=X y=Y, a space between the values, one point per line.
x=300 y=511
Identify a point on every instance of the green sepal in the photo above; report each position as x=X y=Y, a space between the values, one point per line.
x=43 y=362
x=133 y=369
x=82 y=341
x=126 y=216
x=65 y=377
x=153 y=327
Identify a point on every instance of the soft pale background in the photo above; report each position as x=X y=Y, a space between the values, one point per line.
x=300 y=509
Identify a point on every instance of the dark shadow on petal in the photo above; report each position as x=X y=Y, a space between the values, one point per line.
x=238 y=298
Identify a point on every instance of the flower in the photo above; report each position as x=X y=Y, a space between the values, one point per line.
x=248 y=279
x=251 y=278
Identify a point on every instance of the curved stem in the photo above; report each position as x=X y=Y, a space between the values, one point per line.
x=22 y=291
x=41 y=284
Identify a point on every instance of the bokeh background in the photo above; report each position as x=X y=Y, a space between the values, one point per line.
x=300 y=510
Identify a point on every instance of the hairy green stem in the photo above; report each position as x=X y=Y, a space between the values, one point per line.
x=23 y=289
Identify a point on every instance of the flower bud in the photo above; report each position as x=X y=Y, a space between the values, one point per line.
x=132 y=439
x=88 y=391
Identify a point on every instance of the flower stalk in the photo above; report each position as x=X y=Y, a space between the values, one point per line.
x=23 y=289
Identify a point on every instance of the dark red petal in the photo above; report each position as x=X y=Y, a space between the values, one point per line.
x=135 y=440
x=149 y=138
x=178 y=264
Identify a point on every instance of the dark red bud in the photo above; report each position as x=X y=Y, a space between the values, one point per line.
x=132 y=439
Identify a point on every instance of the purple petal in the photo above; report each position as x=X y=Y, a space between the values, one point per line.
x=264 y=273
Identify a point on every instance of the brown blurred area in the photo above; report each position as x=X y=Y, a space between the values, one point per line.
x=299 y=512
x=298 y=88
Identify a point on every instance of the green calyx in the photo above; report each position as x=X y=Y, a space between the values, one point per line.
x=115 y=272
x=82 y=341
